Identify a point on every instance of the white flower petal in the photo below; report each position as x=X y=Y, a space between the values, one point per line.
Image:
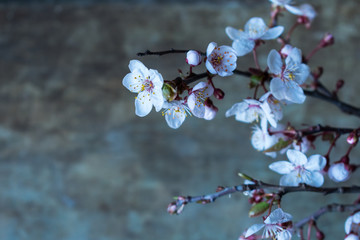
x=302 y=73
x=132 y=82
x=308 y=11
x=137 y=65
x=293 y=10
x=316 y=179
x=210 y=48
x=243 y=46
x=278 y=216
x=348 y=224
x=296 y=157
x=290 y=179
x=143 y=104
x=273 y=33
x=315 y=163
x=274 y=62
x=289 y=91
x=356 y=218
x=295 y=56
x=156 y=78
x=282 y=167
x=352 y=237
x=210 y=68
x=255 y=28
x=157 y=99
x=234 y=33
x=284 y=235
x=253 y=229
x=199 y=86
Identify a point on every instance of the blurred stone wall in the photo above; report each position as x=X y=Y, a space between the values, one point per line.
x=77 y=164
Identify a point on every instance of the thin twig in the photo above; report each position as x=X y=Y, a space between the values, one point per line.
x=160 y=53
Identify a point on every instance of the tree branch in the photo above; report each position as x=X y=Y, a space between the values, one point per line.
x=178 y=205
x=160 y=53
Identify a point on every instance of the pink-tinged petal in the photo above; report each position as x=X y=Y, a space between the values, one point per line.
x=143 y=104
x=316 y=179
x=315 y=163
x=255 y=28
x=302 y=73
x=282 y=167
x=278 y=216
x=243 y=46
x=210 y=48
x=209 y=67
x=296 y=157
x=274 y=62
x=137 y=65
x=308 y=11
x=234 y=33
x=290 y=179
x=348 y=224
x=293 y=10
x=295 y=56
x=254 y=229
x=273 y=33
x=132 y=82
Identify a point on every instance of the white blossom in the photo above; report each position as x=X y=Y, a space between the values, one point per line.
x=352 y=224
x=175 y=113
x=255 y=28
x=285 y=84
x=220 y=60
x=147 y=83
x=193 y=58
x=271 y=226
x=300 y=169
x=196 y=100
x=261 y=140
x=338 y=172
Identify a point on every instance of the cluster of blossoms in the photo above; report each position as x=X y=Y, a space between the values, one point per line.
x=286 y=73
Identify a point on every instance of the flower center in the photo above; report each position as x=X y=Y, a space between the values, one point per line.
x=216 y=59
x=147 y=85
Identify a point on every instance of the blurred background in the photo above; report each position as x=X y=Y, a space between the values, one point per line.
x=77 y=164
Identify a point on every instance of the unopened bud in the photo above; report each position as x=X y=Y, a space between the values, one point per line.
x=339 y=84
x=339 y=172
x=193 y=58
x=168 y=92
x=327 y=40
x=352 y=138
x=218 y=93
x=320 y=235
x=172 y=208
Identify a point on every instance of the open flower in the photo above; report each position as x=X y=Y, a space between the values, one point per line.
x=196 y=100
x=255 y=28
x=285 y=84
x=175 y=113
x=352 y=224
x=147 y=83
x=261 y=140
x=300 y=169
x=272 y=228
x=220 y=60
x=286 y=4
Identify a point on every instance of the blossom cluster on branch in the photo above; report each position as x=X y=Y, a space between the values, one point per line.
x=288 y=78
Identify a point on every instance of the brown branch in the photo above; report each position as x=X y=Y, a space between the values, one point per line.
x=181 y=201
x=160 y=53
x=335 y=207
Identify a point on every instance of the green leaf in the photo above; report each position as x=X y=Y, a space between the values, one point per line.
x=244 y=176
x=281 y=144
x=258 y=209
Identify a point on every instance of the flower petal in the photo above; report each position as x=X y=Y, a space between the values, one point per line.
x=295 y=56
x=209 y=67
x=278 y=216
x=243 y=46
x=253 y=229
x=290 y=179
x=234 y=33
x=296 y=157
x=338 y=172
x=348 y=224
x=282 y=167
x=293 y=10
x=137 y=65
x=210 y=48
x=273 y=33
x=316 y=179
x=315 y=163
x=302 y=73
x=274 y=62
x=255 y=28
x=143 y=104
x=132 y=82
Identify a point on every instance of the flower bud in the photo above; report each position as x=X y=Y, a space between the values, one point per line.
x=169 y=93
x=327 y=40
x=352 y=138
x=218 y=93
x=320 y=235
x=339 y=172
x=172 y=208
x=339 y=84
x=193 y=58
